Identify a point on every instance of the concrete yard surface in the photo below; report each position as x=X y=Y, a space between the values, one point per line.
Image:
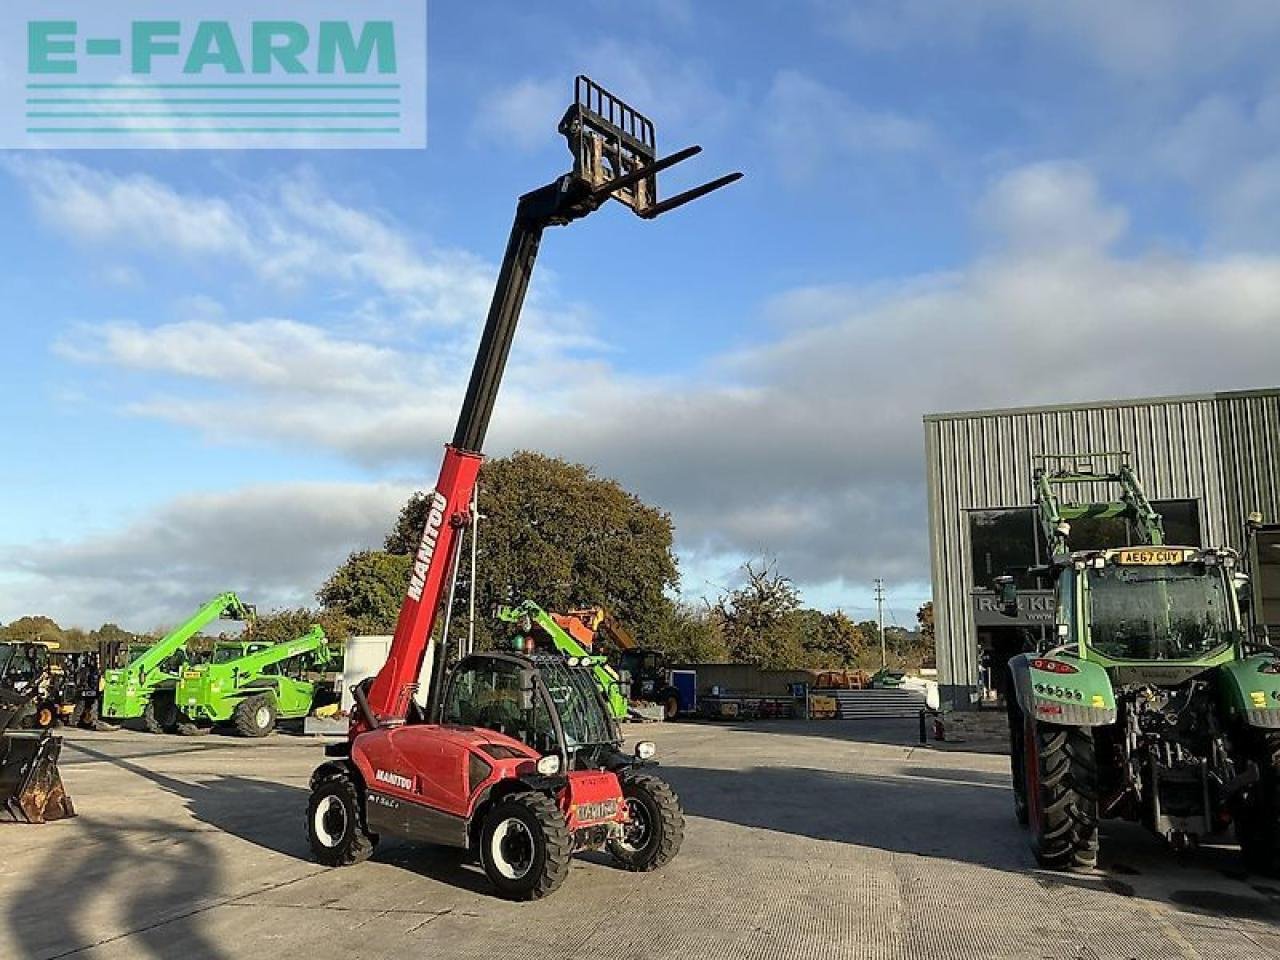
x=821 y=840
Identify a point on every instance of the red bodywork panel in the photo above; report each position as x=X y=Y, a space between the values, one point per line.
x=450 y=511
x=431 y=765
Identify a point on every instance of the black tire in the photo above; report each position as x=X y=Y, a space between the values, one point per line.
x=1017 y=757
x=653 y=837
x=1258 y=816
x=160 y=715
x=525 y=846
x=89 y=716
x=336 y=828
x=1062 y=795
x=256 y=716
x=192 y=728
x=76 y=718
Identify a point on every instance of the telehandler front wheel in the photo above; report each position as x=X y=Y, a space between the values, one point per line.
x=160 y=715
x=1258 y=819
x=525 y=846
x=255 y=717
x=188 y=727
x=336 y=825
x=655 y=829
x=1061 y=772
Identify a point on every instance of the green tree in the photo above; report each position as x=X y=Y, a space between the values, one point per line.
x=279 y=626
x=367 y=591
x=829 y=640
x=33 y=628
x=924 y=617
x=755 y=617
x=690 y=635
x=558 y=533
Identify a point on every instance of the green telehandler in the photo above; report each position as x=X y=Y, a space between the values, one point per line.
x=144 y=688
x=252 y=685
x=534 y=620
x=1153 y=703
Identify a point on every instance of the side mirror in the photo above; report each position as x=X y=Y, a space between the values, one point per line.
x=1007 y=593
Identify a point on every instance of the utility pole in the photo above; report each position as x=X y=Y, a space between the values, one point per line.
x=884 y=659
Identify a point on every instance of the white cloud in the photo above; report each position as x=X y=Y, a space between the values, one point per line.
x=812 y=128
x=138 y=210
x=274 y=545
x=267 y=354
x=807 y=447
x=1051 y=207
x=286 y=231
x=523 y=114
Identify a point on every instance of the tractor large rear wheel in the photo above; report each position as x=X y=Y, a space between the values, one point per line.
x=336 y=824
x=655 y=830
x=1061 y=773
x=1258 y=819
x=525 y=846
x=1017 y=757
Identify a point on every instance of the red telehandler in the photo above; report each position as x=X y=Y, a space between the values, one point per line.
x=515 y=754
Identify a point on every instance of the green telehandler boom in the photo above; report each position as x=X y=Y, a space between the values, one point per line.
x=1153 y=702
x=533 y=618
x=250 y=686
x=144 y=688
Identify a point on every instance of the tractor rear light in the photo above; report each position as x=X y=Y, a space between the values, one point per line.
x=1052 y=666
x=549 y=765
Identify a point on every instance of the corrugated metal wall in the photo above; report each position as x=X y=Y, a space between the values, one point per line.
x=1223 y=450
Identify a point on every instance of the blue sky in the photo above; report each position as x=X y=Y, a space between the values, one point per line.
x=227 y=368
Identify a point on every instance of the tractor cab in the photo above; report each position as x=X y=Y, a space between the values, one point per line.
x=547 y=702
x=1150 y=605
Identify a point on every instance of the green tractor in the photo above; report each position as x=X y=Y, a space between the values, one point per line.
x=144 y=688
x=1154 y=703
x=250 y=686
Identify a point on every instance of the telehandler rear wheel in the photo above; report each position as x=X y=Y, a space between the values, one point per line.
x=653 y=835
x=1258 y=819
x=1062 y=794
x=525 y=846
x=255 y=717
x=336 y=825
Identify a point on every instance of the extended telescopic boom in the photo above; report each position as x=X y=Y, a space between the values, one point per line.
x=614 y=157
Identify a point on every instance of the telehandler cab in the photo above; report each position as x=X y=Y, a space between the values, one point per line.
x=1154 y=703
x=514 y=756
